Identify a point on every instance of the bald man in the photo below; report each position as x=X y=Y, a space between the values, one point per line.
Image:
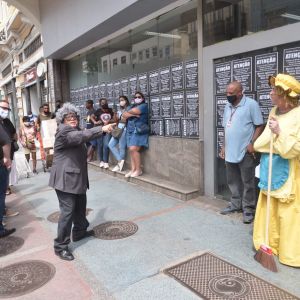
x=243 y=123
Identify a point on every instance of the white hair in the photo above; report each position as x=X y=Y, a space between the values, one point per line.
x=68 y=108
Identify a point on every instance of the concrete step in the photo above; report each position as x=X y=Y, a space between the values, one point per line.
x=178 y=191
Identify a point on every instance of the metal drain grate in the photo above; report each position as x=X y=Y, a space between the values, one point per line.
x=10 y=244
x=115 y=230
x=213 y=278
x=53 y=218
x=24 y=277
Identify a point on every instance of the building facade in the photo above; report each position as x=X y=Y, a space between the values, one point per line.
x=181 y=55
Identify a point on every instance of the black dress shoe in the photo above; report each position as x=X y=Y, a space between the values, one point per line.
x=229 y=210
x=85 y=235
x=248 y=218
x=65 y=255
x=7 y=232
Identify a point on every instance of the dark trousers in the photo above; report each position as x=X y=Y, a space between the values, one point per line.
x=241 y=182
x=3 y=188
x=72 y=210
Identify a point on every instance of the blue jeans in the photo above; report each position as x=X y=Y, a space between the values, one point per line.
x=3 y=188
x=120 y=152
x=102 y=147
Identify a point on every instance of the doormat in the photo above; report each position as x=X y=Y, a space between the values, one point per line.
x=214 y=279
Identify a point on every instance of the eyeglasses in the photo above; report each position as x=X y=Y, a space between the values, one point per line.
x=71 y=117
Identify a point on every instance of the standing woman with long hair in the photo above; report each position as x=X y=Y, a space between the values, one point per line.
x=117 y=145
x=137 y=132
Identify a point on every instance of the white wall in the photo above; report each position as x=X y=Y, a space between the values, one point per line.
x=64 y=21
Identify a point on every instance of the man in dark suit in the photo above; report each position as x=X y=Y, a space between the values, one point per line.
x=69 y=177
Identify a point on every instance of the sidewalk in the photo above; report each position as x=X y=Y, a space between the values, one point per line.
x=129 y=268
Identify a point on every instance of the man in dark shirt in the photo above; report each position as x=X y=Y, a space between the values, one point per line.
x=5 y=164
x=89 y=105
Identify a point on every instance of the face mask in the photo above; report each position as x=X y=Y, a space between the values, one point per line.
x=138 y=100
x=30 y=116
x=122 y=103
x=27 y=124
x=105 y=106
x=231 y=99
x=3 y=113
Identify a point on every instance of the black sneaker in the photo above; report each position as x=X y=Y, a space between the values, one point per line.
x=229 y=210
x=248 y=218
x=7 y=232
x=65 y=255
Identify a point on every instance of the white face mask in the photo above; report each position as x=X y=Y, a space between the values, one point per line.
x=122 y=103
x=3 y=113
x=138 y=100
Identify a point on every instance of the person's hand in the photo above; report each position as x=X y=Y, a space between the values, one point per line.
x=125 y=115
x=274 y=125
x=7 y=162
x=108 y=128
x=250 y=149
x=222 y=153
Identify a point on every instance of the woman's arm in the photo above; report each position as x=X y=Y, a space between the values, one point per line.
x=134 y=112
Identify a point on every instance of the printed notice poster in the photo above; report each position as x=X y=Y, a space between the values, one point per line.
x=222 y=77
x=191 y=74
x=165 y=79
x=265 y=103
x=177 y=76
x=291 y=62
x=103 y=90
x=178 y=104
x=124 y=87
x=242 y=72
x=173 y=127
x=166 y=106
x=192 y=104
x=190 y=128
x=117 y=85
x=154 y=82
x=265 y=65
x=221 y=102
x=157 y=127
x=155 y=107
x=132 y=85
x=220 y=140
x=110 y=89
x=143 y=83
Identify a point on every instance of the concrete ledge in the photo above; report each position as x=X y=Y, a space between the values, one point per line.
x=178 y=191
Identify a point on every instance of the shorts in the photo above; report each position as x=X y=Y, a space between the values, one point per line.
x=28 y=151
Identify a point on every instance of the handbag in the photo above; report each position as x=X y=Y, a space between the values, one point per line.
x=117 y=132
x=142 y=128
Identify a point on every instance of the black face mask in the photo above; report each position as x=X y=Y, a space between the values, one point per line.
x=105 y=106
x=231 y=99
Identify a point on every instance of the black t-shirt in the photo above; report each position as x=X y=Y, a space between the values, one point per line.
x=11 y=131
x=103 y=113
x=89 y=123
x=4 y=139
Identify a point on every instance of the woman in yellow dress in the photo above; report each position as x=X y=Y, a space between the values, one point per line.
x=284 y=127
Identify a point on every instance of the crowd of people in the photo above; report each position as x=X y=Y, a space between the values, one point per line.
x=248 y=142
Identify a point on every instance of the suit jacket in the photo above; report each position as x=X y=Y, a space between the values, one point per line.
x=69 y=169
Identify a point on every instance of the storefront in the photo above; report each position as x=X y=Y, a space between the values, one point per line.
x=182 y=61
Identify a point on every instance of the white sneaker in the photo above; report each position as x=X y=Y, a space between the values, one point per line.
x=128 y=174
x=101 y=164
x=121 y=164
x=106 y=166
x=116 y=168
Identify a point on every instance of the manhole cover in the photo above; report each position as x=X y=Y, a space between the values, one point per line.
x=214 y=279
x=10 y=244
x=115 y=230
x=55 y=216
x=24 y=277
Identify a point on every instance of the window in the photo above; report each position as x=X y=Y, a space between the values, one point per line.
x=20 y=58
x=33 y=46
x=140 y=55
x=167 y=51
x=123 y=60
x=115 y=62
x=147 y=53
x=6 y=71
x=105 y=66
x=154 y=51
x=161 y=53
